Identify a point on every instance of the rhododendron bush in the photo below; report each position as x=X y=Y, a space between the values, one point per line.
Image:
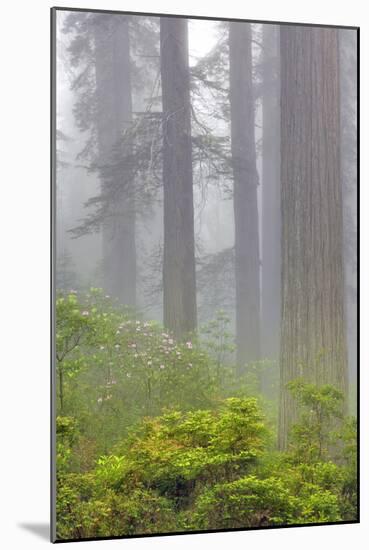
x=158 y=435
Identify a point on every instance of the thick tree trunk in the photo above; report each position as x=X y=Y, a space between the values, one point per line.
x=247 y=260
x=114 y=115
x=271 y=222
x=179 y=281
x=313 y=344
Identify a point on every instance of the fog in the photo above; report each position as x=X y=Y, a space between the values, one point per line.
x=206 y=275
x=92 y=209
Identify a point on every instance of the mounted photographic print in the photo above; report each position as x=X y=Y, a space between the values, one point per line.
x=204 y=274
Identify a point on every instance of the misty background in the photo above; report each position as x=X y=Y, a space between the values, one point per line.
x=83 y=210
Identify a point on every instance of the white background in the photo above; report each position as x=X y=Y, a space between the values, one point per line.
x=24 y=271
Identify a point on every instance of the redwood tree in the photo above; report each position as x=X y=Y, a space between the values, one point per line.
x=271 y=239
x=313 y=342
x=247 y=259
x=179 y=280
x=114 y=116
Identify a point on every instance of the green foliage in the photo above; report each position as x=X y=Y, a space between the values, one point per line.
x=246 y=502
x=325 y=401
x=110 y=471
x=66 y=435
x=347 y=436
x=114 y=369
x=155 y=435
x=111 y=514
x=66 y=429
x=319 y=507
x=178 y=453
x=321 y=408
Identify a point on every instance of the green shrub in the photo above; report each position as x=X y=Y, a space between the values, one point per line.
x=246 y=502
x=179 y=452
x=319 y=507
x=321 y=410
x=112 y=514
x=146 y=441
x=113 y=368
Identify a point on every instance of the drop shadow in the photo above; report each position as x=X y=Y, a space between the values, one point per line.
x=42 y=530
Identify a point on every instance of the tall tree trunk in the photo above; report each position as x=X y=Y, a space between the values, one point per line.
x=179 y=281
x=271 y=223
x=247 y=260
x=348 y=63
x=313 y=344
x=114 y=116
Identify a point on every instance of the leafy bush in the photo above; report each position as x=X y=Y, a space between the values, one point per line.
x=321 y=408
x=112 y=514
x=319 y=507
x=178 y=453
x=246 y=502
x=114 y=369
x=155 y=435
